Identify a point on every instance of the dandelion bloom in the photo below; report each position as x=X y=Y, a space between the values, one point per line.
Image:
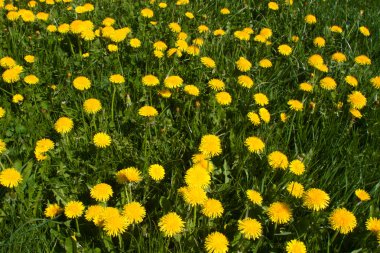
x=216 y=242
x=18 y=98
x=7 y=62
x=117 y=78
x=150 y=80
x=250 y=228
x=255 y=197
x=285 y=50
x=197 y=176
x=212 y=208
x=241 y=35
x=243 y=64
x=295 y=105
x=52 y=210
x=264 y=115
x=223 y=98
x=134 y=212
x=362 y=195
x=310 y=19
x=208 y=62
x=10 y=177
x=44 y=145
x=306 y=87
x=92 y=106
x=373 y=224
x=219 y=32
x=128 y=175
x=74 y=209
x=148 y=111
x=101 y=192
x=210 y=145
x=173 y=82
x=175 y=27
x=63 y=125
x=375 y=81
x=339 y=57
x=158 y=54
x=203 y=29
x=94 y=213
x=191 y=90
x=278 y=160
x=147 y=13
x=356 y=113
x=225 y=11
x=112 y=48
x=364 y=30
x=295 y=246
x=319 y=42
x=283 y=117
x=245 y=81
x=297 y=167
x=11 y=75
x=363 y=60
x=254 y=144
x=342 y=220
x=273 y=6
x=265 y=63
x=216 y=84
x=194 y=195
x=261 y=99
x=135 y=43
x=336 y=29
x=279 y=213
x=102 y=140
x=315 y=60
x=115 y=225
x=82 y=83
x=156 y=172
x=295 y=189
x=3 y=146
x=171 y=224
x=357 y=100
x=254 y=118
x=316 y=199
x=351 y=80
x=29 y=58
x=160 y=46
x=328 y=83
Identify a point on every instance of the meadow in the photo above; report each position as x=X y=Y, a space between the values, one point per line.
x=189 y=126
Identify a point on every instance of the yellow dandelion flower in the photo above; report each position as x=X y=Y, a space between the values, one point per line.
x=216 y=84
x=134 y=212
x=295 y=189
x=375 y=81
x=362 y=195
x=295 y=38
x=328 y=83
x=156 y=172
x=203 y=29
x=254 y=118
x=283 y=117
x=278 y=160
x=316 y=199
x=175 y=27
x=297 y=167
x=171 y=224
x=279 y=213
x=210 y=145
x=117 y=78
x=250 y=228
x=310 y=19
x=255 y=197
x=242 y=35
x=18 y=98
x=208 y=62
x=135 y=43
x=285 y=50
x=212 y=208
x=295 y=105
x=315 y=60
x=63 y=125
x=93 y=213
x=128 y=175
x=373 y=224
x=339 y=57
x=336 y=29
x=295 y=246
x=194 y=196
x=219 y=32
x=115 y=225
x=31 y=79
x=82 y=83
x=29 y=58
x=264 y=115
x=101 y=192
x=197 y=176
x=147 y=13
x=357 y=100
x=74 y=209
x=148 y=111
x=245 y=81
x=273 y=6
x=189 y=15
x=52 y=210
x=261 y=99
x=243 y=64
x=150 y=80
x=223 y=98
x=351 y=80
x=363 y=60
x=7 y=62
x=112 y=48
x=364 y=30
x=191 y=90
x=11 y=75
x=356 y=113
x=160 y=46
x=225 y=11
x=319 y=42
x=3 y=146
x=173 y=82
x=102 y=140
x=254 y=144
x=10 y=178
x=216 y=242
x=265 y=63
x=162 y=5
x=342 y=220
x=92 y=106
x=307 y=87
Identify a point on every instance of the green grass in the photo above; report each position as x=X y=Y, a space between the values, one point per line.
x=340 y=153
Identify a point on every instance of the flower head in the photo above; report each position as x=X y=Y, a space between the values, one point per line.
x=171 y=224
x=63 y=125
x=191 y=90
x=115 y=224
x=295 y=105
x=373 y=224
x=342 y=220
x=245 y=81
x=363 y=60
x=254 y=144
x=255 y=197
x=208 y=62
x=102 y=140
x=101 y=192
x=357 y=100
x=197 y=176
x=216 y=242
x=74 y=209
x=117 y=78
x=3 y=146
x=150 y=80
x=279 y=212
x=212 y=208
x=254 y=118
x=216 y=84
x=295 y=246
x=362 y=195
x=285 y=50
x=328 y=83
x=250 y=228
x=278 y=160
x=243 y=64
x=156 y=172
x=130 y=174
x=295 y=189
x=173 y=82
x=10 y=178
x=82 y=83
x=310 y=19
x=134 y=212
x=316 y=199
x=364 y=30
x=210 y=145
x=52 y=210
x=148 y=111
x=92 y=106
x=297 y=167
x=223 y=98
